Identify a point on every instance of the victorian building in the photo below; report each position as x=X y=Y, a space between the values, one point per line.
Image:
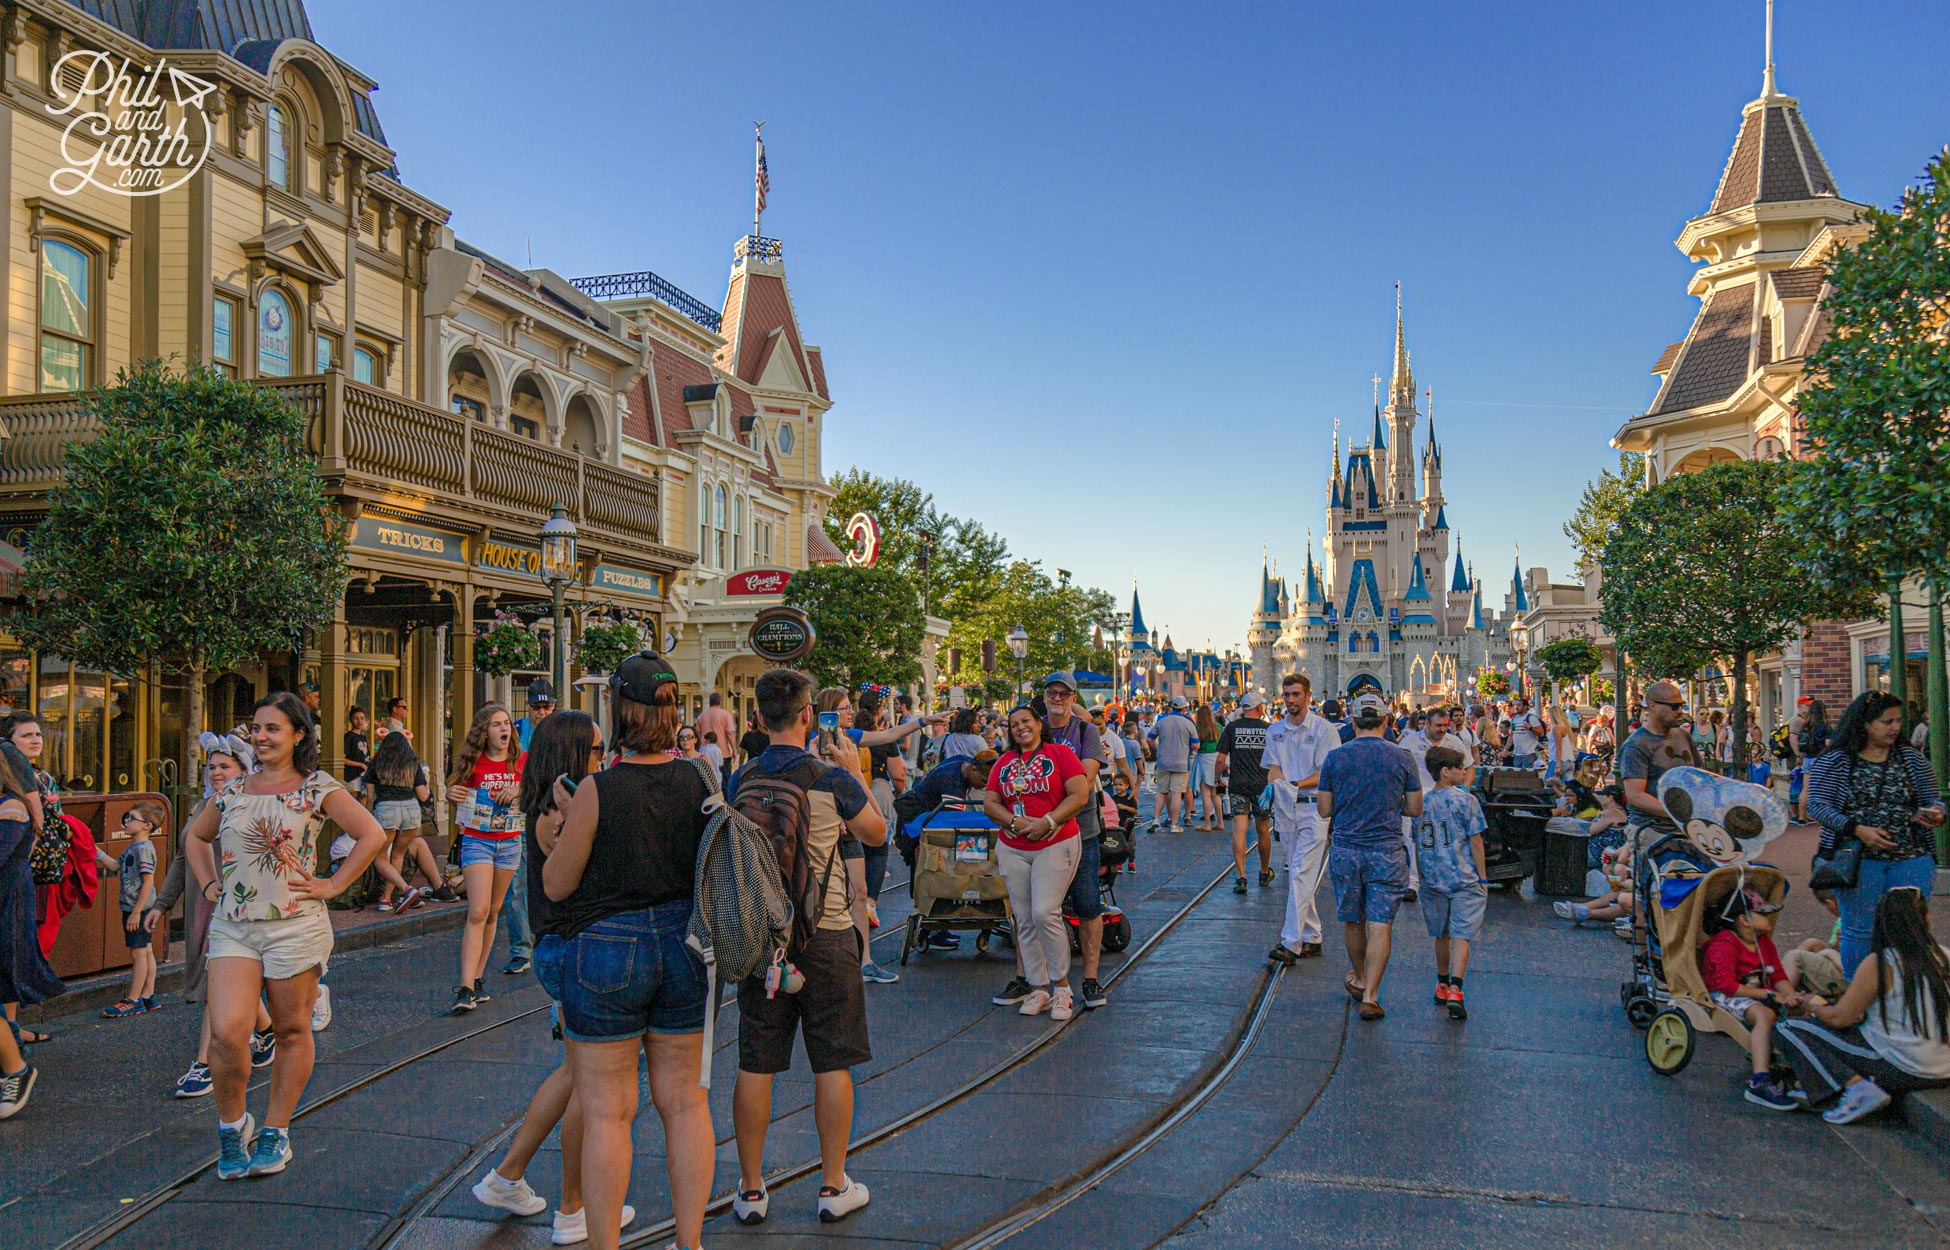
x=1390 y=603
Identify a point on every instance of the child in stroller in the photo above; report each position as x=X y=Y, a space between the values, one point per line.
x=1746 y=978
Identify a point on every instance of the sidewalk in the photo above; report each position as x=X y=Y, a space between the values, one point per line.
x=352 y=930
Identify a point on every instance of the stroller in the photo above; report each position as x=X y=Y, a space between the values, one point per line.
x=1116 y=848
x=1674 y=894
x=956 y=883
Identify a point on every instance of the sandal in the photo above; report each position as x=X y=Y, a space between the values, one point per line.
x=1372 y=1011
x=1354 y=991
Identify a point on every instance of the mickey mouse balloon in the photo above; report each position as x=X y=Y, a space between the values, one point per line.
x=1727 y=821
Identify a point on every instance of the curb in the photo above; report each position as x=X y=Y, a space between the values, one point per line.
x=95 y=992
x=1928 y=1112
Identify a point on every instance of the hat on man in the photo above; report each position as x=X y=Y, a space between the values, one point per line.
x=1251 y=701
x=540 y=691
x=1063 y=678
x=1804 y=700
x=1368 y=710
x=1179 y=703
x=641 y=676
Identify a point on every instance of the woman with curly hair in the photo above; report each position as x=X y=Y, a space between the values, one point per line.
x=486 y=786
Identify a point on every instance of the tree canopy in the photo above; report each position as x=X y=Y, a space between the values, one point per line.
x=1570 y=659
x=867 y=624
x=1605 y=496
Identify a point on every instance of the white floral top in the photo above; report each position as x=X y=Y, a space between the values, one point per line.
x=261 y=838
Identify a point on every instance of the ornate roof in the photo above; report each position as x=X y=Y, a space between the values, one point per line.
x=1137 y=614
x=1360 y=585
x=1314 y=592
x=1516 y=582
x=1774 y=159
x=1714 y=356
x=1269 y=593
x=1442 y=517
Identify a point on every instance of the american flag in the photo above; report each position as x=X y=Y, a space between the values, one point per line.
x=762 y=181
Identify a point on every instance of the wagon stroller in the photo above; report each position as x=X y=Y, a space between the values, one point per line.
x=957 y=884
x=1674 y=895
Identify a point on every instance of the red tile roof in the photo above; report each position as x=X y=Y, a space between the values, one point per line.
x=675 y=371
x=766 y=308
x=818 y=361
x=641 y=424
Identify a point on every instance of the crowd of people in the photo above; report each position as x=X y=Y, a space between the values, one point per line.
x=585 y=848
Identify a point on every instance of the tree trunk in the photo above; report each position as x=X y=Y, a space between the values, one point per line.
x=1738 y=690
x=191 y=779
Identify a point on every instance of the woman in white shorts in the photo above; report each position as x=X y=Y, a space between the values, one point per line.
x=256 y=846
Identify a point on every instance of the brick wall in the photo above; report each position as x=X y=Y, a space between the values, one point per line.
x=1825 y=665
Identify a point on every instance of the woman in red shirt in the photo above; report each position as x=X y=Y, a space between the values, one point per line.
x=485 y=786
x=1034 y=794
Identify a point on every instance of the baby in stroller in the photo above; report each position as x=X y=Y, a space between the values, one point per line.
x=1746 y=978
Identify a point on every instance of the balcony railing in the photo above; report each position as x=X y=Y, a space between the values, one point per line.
x=644 y=282
x=374 y=445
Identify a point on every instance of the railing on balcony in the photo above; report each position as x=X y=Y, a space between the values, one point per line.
x=758 y=248
x=644 y=282
x=370 y=442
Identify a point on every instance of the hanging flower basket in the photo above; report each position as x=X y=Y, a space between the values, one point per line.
x=607 y=643
x=1492 y=685
x=505 y=646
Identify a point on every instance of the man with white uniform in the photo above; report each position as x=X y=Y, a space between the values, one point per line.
x=1435 y=732
x=1296 y=746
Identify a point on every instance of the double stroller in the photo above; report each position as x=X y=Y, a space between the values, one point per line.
x=1675 y=891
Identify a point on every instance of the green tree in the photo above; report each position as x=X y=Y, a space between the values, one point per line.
x=191 y=532
x=1604 y=498
x=903 y=509
x=867 y=622
x=1706 y=564
x=1570 y=659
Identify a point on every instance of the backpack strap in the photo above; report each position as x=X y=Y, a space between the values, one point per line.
x=713 y=793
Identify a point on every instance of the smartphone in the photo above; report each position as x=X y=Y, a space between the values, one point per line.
x=829 y=722
x=569 y=783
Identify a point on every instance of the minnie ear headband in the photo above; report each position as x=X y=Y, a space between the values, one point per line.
x=228 y=744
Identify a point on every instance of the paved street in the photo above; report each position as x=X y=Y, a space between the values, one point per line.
x=1536 y=1121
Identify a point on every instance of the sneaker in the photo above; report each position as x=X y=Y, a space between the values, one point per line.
x=1442 y=993
x=1238 y=885
x=384 y=904
x=271 y=1152
x=196 y=1082
x=1281 y=955
x=1456 y=1009
x=1036 y=1004
x=877 y=974
x=151 y=1004
x=1622 y=928
x=751 y=1206
x=836 y=1205
x=873 y=914
x=1094 y=995
x=1013 y=993
x=233 y=1156
x=1858 y=1100
x=941 y=941
x=506 y=1195
x=481 y=994
x=321 y=1009
x=1310 y=950
x=1265 y=877
x=1061 y=1005
x=1763 y=1092
x=446 y=894
x=15 y=1090
x=413 y=897
x=516 y=966
x=569 y=1229
x=1562 y=910
x=123 y=1009
x=264 y=1048
x=464 y=999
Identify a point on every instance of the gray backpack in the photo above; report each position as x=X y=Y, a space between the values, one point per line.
x=741 y=917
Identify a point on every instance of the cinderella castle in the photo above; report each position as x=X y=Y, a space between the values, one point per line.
x=1368 y=613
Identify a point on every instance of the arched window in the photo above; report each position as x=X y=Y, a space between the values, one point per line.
x=67 y=316
x=717 y=523
x=365 y=367
x=274 y=335
x=277 y=147
x=738 y=532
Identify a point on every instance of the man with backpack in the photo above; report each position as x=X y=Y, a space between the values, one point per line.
x=804 y=802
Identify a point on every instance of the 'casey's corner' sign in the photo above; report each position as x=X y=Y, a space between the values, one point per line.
x=757 y=582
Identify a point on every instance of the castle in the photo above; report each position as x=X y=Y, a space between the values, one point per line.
x=1367 y=612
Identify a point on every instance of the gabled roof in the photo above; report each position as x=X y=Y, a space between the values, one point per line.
x=1360 y=583
x=1418 y=585
x=1713 y=359
x=1774 y=160
x=755 y=306
x=1360 y=476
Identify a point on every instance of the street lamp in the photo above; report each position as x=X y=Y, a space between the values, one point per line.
x=558 y=570
x=1019 y=647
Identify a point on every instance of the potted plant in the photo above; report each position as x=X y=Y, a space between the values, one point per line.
x=606 y=643
x=506 y=645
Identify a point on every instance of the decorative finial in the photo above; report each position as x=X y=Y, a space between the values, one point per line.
x=1376 y=379
x=1767 y=77
x=1403 y=380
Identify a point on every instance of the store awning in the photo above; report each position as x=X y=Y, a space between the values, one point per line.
x=820 y=548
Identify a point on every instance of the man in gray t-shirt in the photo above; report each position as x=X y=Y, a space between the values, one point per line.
x=1660 y=743
x=1176 y=738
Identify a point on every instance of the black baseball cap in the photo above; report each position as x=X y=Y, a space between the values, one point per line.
x=541 y=691
x=641 y=676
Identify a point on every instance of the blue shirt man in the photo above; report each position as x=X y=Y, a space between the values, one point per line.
x=1366 y=787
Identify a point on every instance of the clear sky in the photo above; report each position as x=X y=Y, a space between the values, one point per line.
x=1103 y=276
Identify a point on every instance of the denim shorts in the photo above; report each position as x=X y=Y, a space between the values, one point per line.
x=1368 y=883
x=396 y=814
x=625 y=976
x=503 y=853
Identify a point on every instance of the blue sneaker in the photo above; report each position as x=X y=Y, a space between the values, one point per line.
x=196 y=1082
x=233 y=1157
x=264 y=1048
x=271 y=1152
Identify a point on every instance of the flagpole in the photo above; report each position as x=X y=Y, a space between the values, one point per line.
x=758 y=162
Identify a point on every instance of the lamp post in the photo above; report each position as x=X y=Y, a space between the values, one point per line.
x=1019 y=647
x=558 y=570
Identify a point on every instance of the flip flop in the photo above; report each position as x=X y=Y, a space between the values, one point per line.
x=1354 y=991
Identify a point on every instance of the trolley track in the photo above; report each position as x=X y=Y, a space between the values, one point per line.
x=105 y=1230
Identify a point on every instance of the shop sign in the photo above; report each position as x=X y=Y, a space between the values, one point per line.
x=522 y=558
x=629 y=581
x=781 y=635
x=755 y=582
x=404 y=538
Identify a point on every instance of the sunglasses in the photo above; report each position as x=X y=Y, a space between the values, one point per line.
x=1677 y=707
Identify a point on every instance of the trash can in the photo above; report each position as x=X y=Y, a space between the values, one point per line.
x=1566 y=845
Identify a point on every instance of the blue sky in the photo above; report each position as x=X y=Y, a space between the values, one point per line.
x=1104 y=276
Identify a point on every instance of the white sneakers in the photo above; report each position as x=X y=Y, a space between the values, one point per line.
x=496 y=1191
x=570 y=1229
x=321 y=1009
x=836 y=1207
x=1062 y=1005
x=1863 y=1098
x=1036 y=1004
x=751 y=1211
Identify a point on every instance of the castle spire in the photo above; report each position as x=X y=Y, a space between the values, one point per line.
x=1459 y=582
x=1402 y=382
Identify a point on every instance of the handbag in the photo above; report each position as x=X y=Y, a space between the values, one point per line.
x=1841 y=868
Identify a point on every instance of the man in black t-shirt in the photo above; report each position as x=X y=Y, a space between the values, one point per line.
x=1240 y=745
x=358 y=747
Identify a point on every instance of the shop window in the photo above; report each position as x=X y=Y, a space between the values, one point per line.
x=325 y=353
x=223 y=334
x=274 y=335
x=68 y=329
x=365 y=366
x=277 y=147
